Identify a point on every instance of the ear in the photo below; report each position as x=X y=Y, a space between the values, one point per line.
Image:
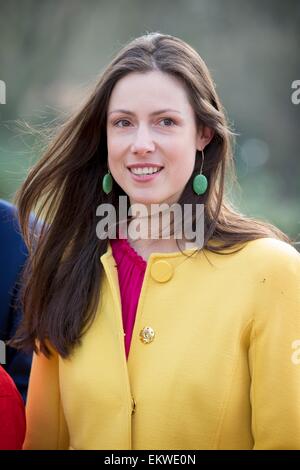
x=204 y=136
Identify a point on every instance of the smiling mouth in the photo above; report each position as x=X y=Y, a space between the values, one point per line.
x=145 y=172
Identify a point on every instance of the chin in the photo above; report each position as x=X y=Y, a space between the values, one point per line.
x=147 y=201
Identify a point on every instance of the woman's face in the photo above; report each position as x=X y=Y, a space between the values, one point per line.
x=151 y=125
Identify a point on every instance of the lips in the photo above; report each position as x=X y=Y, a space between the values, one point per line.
x=145 y=177
x=144 y=165
x=144 y=170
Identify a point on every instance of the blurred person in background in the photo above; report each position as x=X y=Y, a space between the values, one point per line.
x=13 y=254
x=138 y=344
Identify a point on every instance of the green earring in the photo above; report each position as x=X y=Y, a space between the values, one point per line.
x=107 y=183
x=200 y=181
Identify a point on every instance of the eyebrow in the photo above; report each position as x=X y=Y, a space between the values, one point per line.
x=161 y=111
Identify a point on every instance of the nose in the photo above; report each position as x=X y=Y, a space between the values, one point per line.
x=143 y=142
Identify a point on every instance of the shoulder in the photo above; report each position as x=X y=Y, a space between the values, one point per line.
x=8 y=214
x=267 y=262
x=275 y=271
x=259 y=254
x=6 y=208
x=272 y=247
x=272 y=253
x=9 y=224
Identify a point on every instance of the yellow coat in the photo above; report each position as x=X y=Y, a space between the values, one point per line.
x=222 y=371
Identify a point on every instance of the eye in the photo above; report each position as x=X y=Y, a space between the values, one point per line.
x=170 y=122
x=120 y=120
x=168 y=119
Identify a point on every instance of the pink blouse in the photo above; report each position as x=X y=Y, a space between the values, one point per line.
x=131 y=270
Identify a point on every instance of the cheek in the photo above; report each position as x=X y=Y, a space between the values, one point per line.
x=113 y=140
x=111 y=146
x=182 y=160
x=114 y=151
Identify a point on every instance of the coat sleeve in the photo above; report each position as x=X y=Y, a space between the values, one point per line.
x=46 y=426
x=274 y=354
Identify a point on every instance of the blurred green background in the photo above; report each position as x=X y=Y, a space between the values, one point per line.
x=51 y=52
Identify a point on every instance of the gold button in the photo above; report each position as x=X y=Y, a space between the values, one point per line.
x=162 y=271
x=147 y=335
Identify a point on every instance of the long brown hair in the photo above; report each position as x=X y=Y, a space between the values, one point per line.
x=62 y=277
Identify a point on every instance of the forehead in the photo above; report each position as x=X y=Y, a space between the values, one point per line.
x=149 y=90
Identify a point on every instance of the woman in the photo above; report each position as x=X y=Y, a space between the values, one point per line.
x=213 y=332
